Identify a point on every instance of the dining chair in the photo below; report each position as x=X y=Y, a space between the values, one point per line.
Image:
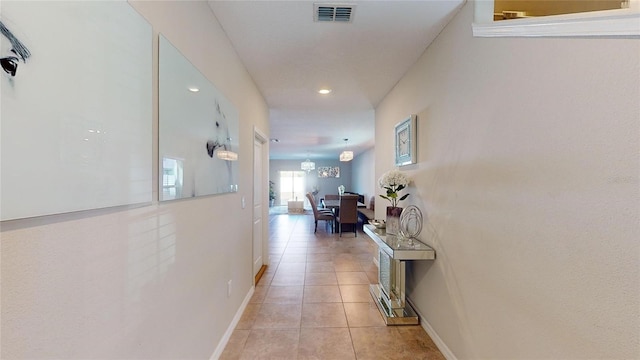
x=320 y=214
x=348 y=212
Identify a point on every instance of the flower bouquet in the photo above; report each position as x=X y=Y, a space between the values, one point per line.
x=393 y=182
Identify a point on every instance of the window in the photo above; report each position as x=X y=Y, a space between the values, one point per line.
x=598 y=18
x=292 y=185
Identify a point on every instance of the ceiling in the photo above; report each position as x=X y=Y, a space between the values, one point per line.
x=290 y=57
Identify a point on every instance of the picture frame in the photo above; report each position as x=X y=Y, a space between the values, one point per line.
x=328 y=171
x=76 y=107
x=405 y=141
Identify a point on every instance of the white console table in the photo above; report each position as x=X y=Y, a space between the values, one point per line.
x=389 y=292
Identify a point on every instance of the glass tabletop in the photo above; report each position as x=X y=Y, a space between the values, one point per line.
x=400 y=248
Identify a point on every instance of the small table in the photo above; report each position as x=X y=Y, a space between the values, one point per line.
x=295 y=206
x=389 y=292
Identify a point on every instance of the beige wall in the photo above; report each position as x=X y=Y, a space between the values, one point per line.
x=149 y=282
x=528 y=174
x=364 y=177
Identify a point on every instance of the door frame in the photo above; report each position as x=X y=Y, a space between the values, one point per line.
x=259 y=136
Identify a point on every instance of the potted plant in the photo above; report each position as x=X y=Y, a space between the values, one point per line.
x=272 y=194
x=393 y=182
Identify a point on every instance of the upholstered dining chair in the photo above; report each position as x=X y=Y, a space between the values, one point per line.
x=320 y=214
x=348 y=212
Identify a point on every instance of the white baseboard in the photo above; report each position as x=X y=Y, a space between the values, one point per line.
x=444 y=349
x=227 y=335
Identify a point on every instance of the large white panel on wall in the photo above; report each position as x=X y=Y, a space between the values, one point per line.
x=198 y=131
x=76 y=113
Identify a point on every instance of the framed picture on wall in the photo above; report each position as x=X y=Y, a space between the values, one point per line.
x=329 y=172
x=405 y=141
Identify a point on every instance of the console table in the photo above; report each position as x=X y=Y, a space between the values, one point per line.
x=389 y=292
x=295 y=206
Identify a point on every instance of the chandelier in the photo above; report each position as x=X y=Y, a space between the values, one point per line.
x=346 y=155
x=308 y=165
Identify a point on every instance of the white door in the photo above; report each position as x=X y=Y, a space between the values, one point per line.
x=258 y=186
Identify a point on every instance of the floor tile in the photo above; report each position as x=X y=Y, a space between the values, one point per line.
x=248 y=316
x=313 y=256
x=293 y=258
x=355 y=293
x=323 y=315
x=363 y=314
x=320 y=278
x=328 y=343
x=235 y=345
x=283 y=278
x=266 y=279
x=375 y=342
x=271 y=344
x=352 y=278
x=278 y=316
x=259 y=293
x=284 y=295
x=416 y=340
x=290 y=267
x=325 y=293
x=324 y=266
x=346 y=265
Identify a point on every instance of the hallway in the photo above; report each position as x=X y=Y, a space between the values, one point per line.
x=313 y=302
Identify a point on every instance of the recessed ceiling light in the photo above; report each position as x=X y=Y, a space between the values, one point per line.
x=275 y=140
x=194 y=89
x=324 y=91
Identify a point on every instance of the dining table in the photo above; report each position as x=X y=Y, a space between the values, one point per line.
x=335 y=204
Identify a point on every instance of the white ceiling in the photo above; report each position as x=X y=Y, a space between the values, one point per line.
x=290 y=57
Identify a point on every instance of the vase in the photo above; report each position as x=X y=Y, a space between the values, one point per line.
x=393 y=220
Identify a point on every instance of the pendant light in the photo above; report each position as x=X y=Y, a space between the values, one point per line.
x=307 y=165
x=346 y=155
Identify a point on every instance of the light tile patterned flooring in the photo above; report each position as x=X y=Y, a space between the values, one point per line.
x=313 y=302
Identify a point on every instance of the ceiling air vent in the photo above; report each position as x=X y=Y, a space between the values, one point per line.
x=333 y=13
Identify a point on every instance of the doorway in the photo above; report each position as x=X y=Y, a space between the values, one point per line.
x=260 y=169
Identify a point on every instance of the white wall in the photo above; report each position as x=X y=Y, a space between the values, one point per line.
x=149 y=282
x=528 y=172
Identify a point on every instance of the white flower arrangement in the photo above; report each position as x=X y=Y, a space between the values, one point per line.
x=393 y=181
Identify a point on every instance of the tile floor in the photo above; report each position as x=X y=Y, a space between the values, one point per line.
x=313 y=302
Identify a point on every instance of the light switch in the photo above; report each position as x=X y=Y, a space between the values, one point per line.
x=243 y=204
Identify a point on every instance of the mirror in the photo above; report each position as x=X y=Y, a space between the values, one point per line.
x=556 y=18
x=516 y=9
x=198 y=131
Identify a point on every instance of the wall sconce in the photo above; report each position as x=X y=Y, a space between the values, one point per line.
x=227 y=155
x=220 y=150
